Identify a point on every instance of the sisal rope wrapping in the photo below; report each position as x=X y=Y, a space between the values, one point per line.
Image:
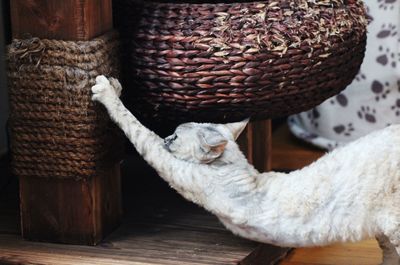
x=56 y=129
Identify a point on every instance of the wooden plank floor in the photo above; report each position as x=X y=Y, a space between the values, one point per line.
x=361 y=253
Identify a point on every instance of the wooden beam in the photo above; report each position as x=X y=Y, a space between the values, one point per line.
x=255 y=143
x=70 y=211
x=261 y=141
x=63 y=20
x=73 y=211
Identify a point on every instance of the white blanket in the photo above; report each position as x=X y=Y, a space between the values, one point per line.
x=372 y=101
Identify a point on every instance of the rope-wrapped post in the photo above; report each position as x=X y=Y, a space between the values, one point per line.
x=65 y=150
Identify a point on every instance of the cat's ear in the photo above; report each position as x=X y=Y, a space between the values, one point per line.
x=237 y=128
x=213 y=141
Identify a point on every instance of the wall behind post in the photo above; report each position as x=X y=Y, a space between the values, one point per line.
x=3 y=84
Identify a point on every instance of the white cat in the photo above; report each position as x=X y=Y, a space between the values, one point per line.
x=349 y=194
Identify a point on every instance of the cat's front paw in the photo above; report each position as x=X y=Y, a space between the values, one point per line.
x=103 y=89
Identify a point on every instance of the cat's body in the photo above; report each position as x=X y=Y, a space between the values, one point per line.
x=349 y=194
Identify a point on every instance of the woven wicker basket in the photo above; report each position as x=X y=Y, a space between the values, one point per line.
x=227 y=61
x=56 y=130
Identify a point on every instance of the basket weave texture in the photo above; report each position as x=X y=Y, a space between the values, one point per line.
x=56 y=130
x=228 y=61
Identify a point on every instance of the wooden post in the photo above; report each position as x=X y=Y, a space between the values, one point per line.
x=255 y=142
x=67 y=210
x=62 y=20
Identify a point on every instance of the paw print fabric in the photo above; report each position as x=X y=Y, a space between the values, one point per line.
x=372 y=100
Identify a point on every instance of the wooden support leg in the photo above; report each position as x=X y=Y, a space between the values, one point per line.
x=255 y=142
x=77 y=211
x=70 y=211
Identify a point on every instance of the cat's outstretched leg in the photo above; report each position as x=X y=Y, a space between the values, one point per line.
x=389 y=251
x=147 y=143
x=107 y=92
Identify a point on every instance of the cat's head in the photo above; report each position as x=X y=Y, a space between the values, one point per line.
x=202 y=142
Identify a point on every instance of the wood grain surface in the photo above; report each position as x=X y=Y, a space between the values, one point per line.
x=63 y=20
x=70 y=211
x=361 y=253
x=255 y=143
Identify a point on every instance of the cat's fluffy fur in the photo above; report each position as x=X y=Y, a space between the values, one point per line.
x=349 y=194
